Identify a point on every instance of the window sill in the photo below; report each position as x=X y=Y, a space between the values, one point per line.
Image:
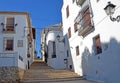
x=8 y=50
x=9 y=32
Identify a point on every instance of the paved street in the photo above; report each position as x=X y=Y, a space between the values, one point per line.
x=39 y=72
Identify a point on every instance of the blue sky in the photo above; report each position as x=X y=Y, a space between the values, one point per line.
x=42 y=12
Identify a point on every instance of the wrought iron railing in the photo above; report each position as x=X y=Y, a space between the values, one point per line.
x=8 y=27
x=85 y=24
x=85 y=28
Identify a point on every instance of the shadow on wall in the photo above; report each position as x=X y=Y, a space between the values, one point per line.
x=69 y=63
x=104 y=66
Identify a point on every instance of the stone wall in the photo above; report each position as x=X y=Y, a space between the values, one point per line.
x=10 y=74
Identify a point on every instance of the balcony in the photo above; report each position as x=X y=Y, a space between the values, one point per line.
x=85 y=25
x=85 y=29
x=8 y=28
x=85 y=22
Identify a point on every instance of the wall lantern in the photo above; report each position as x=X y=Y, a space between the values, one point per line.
x=110 y=9
x=30 y=44
x=60 y=38
x=2 y=23
x=16 y=24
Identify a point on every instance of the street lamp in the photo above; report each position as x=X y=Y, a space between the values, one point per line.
x=110 y=9
x=58 y=37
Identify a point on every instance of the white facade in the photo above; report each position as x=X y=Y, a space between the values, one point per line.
x=102 y=66
x=16 y=27
x=53 y=47
x=74 y=62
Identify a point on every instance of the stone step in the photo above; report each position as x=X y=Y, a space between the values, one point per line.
x=50 y=80
x=49 y=76
x=40 y=72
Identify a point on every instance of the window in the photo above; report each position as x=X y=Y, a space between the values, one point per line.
x=70 y=66
x=86 y=17
x=86 y=22
x=34 y=33
x=69 y=32
x=73 y=1
x=67 y=53
x=54 y=50
x=8 y=44
x=10 y=24
x=97 y=44
x=75 y=27
x=67 y=11
x=77 y=50
x=20 y=43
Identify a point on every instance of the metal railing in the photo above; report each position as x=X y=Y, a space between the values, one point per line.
x=85 y=24
x=8 y=27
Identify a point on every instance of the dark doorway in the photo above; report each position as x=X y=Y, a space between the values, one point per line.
x=28 y=65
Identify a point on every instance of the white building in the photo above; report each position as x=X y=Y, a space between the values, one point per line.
x=17 y=44
x=72 y=40
x=52 y=46
x=94 y=40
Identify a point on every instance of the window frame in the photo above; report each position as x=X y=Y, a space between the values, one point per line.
x=67 y=11
x=77 y=51
x=7 y=45
x=86 y=17
x=54 y=49
x=69 y=32
x=10 y=26
x=97 y=45
x=76 y=27
x=73 y=1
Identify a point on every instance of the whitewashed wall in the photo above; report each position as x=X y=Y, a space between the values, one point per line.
x=103 y=67
x=42 y=44
x=19 y=34
x=58 y=62
x=75 y=40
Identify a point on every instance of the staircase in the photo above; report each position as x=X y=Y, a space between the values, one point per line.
x=39 y=72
